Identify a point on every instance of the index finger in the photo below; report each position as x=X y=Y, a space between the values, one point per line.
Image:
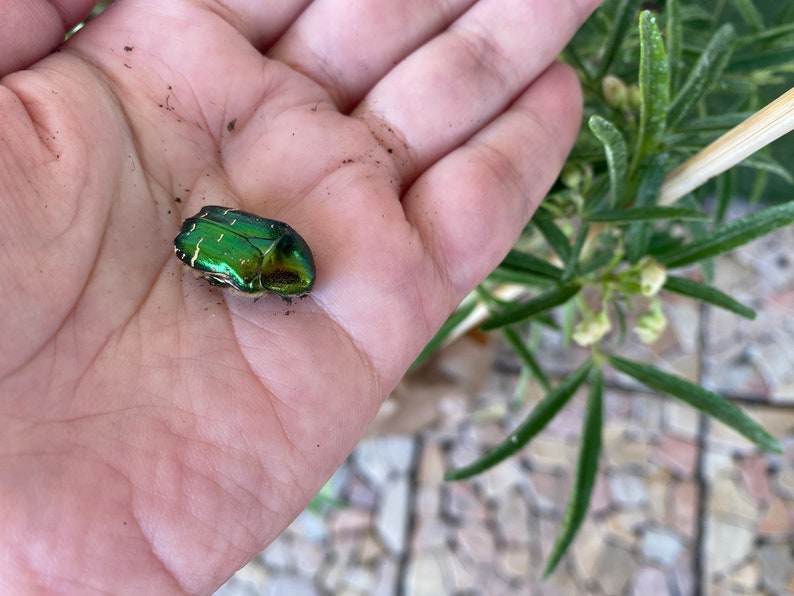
x=457 y=83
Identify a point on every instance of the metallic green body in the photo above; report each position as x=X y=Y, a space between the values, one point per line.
x=245 y=253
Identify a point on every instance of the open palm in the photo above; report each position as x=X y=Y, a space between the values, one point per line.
x=156 y=431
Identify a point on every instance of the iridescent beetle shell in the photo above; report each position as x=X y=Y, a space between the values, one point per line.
x=245 y=253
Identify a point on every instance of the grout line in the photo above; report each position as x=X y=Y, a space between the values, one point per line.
x=699 y=566
x=410 y=523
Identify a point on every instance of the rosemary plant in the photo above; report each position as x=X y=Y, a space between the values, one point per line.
x=660 y=85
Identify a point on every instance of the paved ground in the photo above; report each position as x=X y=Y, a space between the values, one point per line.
x=682 y=505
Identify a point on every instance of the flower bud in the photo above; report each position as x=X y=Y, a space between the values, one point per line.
x=571 y=176
x=652 y=278
x=615 y=91
x=592 y=327
x=651 y=324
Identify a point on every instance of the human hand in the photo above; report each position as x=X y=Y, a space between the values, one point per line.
x=158 y=432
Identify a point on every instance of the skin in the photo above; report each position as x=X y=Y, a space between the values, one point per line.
x=158 y=432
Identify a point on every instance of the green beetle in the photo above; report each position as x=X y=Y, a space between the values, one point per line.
x=245 y=253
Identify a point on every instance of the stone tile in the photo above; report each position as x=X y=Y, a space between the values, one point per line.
x=648 y=581
x=278 y=555
x=683 y=317
x=358 y=579
x=717 y=465
x=676 y=455
x=623 y=451
x=546 y=491
x=775 y=520
x=627 y=490
x=755 y=479
x=387 y=578
x=684 y=505
x=428 y=500
x=727 y=545
x=646 y=418
x=586 y=550
x=464 y=451
x=460 y=501
x=360 y=495
x=776 y=569
x=682 y=420
x=586 y=540
x=779 y=422
x=309 y=526
x=551 y=453
x=512 y=517
x=290 y=584
x=310 y=558
x=625 y=525
x=370 y=549
x=251 y=580
x=683 y=577
x=476 y=542
x=728 y=502
x=392 y=517
x=425 y=576
x=461 y=577
x=659 y=485
x=600 y=498
x=430 y=533
x=497 y=481
x=614 y=569
x=745 y=579
x=514 y=563
x=784 y=483
x=431 y=465
x=349 y=520
x=561 y=583
x=722 y=436
x=660 y=546
x=380 y=459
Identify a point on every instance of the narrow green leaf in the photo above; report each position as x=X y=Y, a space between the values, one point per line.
x=739 y=232
x=772 y=34
x=750 y=14
x=756 y=61
x=700 y=398
x=554 y=236
x=518 y=277
x=535 y=306
x=638 y=236
x=526 y=263
x=673 y=30
x=725 y=187
x=537 y=420
x=526 y=356
x=707 y=294
x=654 y=89
x=457 y=317
x=616 y=154
x=572 y=266
x=647 y=214
x=624 y=16
x=716 y=123
x=760 y=182
x=586 y=470
x=706 y=73
x=766 y=163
